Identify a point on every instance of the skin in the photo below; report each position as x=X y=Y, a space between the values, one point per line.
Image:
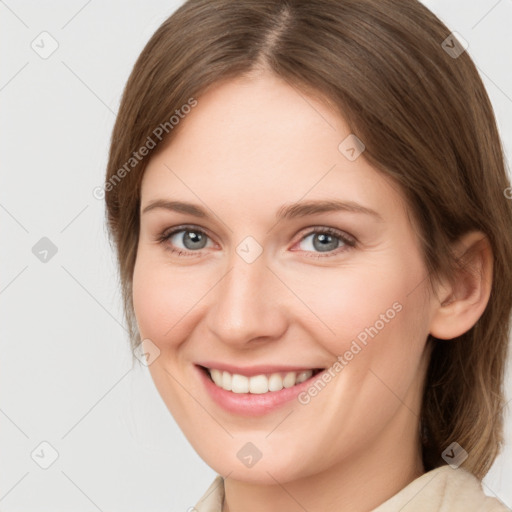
x=249 y=147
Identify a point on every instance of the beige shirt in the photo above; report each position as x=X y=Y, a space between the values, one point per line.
x=441 y=490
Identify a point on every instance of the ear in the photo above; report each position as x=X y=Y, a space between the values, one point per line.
x=462 y=299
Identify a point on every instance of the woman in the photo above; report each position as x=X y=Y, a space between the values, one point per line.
x=308 y=200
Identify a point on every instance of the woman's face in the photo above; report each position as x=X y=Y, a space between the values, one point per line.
x=235 y=272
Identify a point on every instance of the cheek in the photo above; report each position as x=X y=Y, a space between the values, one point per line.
x=165 y=299
x=363 y=303
x=156 y=299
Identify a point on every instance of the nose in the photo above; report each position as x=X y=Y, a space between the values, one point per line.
x=248 y=304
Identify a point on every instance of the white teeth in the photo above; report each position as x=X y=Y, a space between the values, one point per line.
x=289 y=380
x=239 y=383
x=275 y=382
x=302 y=376
x=258 y=384
x=226 y=381
x=216 y=376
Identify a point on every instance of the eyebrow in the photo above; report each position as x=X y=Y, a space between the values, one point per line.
x=287 y=211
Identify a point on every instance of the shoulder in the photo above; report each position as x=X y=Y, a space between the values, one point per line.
x=443 y=490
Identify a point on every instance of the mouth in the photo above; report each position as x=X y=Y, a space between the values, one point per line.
x=263 y=383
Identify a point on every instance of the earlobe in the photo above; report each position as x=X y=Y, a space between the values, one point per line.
x=462 y=300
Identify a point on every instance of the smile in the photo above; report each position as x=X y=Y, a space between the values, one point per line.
x=254 y=390
x=258 y=384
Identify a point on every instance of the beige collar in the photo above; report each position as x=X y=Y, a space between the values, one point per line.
x=442 y=489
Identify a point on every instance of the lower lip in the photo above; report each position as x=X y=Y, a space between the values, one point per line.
x=252 y=404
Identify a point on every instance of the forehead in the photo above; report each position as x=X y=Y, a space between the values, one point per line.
x=260 y=142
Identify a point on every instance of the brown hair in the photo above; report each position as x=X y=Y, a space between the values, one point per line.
x=426 y=121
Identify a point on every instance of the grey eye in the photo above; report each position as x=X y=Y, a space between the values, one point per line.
x=321 y=242
x=190 y=238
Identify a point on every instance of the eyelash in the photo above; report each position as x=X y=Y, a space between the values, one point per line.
x=349 y=241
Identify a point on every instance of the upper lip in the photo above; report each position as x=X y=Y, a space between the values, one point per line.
x=259 y=369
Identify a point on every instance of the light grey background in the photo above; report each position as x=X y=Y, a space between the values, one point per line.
x=65 y=366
